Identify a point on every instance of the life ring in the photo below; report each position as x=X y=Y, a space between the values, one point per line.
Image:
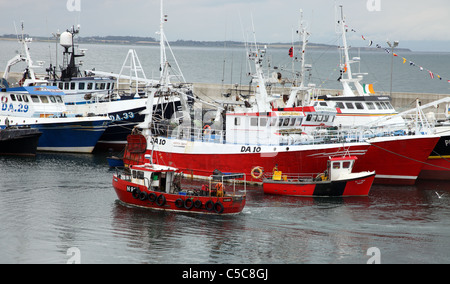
x=218 y=207
x=198 y=204
x=136 y=192
x=4 y=99
x=152 y=197
x=257 y=172
x=207 y=130
x=161 y=200
x=143 y=196
x=209 y=205
x=179 y=203
x=188 y=204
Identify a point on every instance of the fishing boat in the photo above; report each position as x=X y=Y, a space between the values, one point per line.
x=42 y=108
x=19 y=141
x=360 y=107
x=237 y=138
x=88 y=93
x=122 y=96
x=159 y=187
x=337 y=181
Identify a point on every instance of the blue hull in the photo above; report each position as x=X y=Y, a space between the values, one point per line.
x=77 y=137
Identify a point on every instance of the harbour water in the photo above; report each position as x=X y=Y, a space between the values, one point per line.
x=59 y=208
x=55 y=203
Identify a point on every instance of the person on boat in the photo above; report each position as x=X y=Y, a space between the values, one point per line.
x=220 y=190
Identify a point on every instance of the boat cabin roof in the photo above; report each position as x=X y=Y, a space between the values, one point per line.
x=40 y=91
x=153 y=168
x=339 y=159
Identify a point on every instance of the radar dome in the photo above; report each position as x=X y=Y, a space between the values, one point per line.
x=66 y=39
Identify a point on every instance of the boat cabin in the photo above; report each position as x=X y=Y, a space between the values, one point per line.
x=154 y=177
x=281 y=126
x=339 y=168
x=32 y=102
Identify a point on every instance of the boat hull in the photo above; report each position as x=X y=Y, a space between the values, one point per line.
x=437 y=166
x=342 y=188
x=127 y=194
x=72 y=135
x=201 y=159
x=397 y=160
x=19 y=142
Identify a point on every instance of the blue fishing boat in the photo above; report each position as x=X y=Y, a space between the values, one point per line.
x=43 y=108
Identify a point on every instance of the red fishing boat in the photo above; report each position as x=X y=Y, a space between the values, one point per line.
x=337 y=181
x=159 y=187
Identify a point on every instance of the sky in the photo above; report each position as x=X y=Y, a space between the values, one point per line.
x=416 y=24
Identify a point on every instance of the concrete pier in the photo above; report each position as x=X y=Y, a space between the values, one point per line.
x=215 y=92
x=401 y=101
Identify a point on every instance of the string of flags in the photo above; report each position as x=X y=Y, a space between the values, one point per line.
x=433 y=75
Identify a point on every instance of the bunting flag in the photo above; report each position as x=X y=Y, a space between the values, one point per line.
x=291 y=52
x=433 y=75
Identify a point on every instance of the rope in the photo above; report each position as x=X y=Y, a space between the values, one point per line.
x=425 y=163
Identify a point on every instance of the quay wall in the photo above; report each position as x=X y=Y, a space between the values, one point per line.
x=214 y=92
x=401 y=101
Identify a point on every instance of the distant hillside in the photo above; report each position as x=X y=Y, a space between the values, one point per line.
x=134 y=40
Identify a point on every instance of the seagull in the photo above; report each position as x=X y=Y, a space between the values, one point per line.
x=440 y=196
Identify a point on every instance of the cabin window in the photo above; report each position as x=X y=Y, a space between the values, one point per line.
x=389 y=105
x=273 y=122
x=336 y=165
x=35 y=99
x=52 y=99
x=44 y=99
x=25 y=98
x=13 y=98
x=237 y=121
x=59 y=99
x=286 y=122
x=378 y=105
x=359 y=105
x=19 y=98
x=325 y=119
x=61 y=86
x=350 y=105
x=298 y=121
x=66 y=86
x=72 y=86
x=254 y=121
x=292 y=122
x=90 y=86
x=324 y=104
x=319 y=118
x=346 y=165
x=263 y=121
x=371 y=106
x=383 y=105
x=309 y=117
x=340 y=105
x=81 y=86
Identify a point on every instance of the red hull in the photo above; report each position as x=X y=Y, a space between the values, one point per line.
x=396 y=160
x=436 y=169
x=359 y=187
x=172 y=202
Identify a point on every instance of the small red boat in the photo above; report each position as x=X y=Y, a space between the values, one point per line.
x=159 y=187
x=337 y=181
